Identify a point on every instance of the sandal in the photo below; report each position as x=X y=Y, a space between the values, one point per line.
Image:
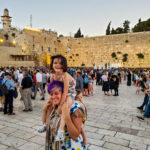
x=140 y=117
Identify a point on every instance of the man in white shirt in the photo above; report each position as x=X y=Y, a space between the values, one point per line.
x=16 y=73
x=39 y=84
x=1 y=72
x=20 y=77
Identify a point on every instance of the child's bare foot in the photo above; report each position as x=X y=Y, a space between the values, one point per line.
x=85 y=142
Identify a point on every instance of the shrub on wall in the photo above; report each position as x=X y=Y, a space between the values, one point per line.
x=125 y=57
x=82 y=64
x=140 y=55
x=113 y=55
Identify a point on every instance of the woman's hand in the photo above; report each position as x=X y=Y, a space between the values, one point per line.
x=49 y=102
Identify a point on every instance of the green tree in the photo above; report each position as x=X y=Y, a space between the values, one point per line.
x=78 y=34
x=119 y=30
x=126 y=28
x=142 y=26
x=113 y=31
x=108 y=29
x=140 y=20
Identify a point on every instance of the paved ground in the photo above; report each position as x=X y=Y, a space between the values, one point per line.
x=111 y=124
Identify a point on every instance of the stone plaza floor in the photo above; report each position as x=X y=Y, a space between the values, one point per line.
x=111 y=123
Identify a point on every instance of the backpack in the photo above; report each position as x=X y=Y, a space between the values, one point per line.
x=4 y=88
x=85 y=80
x=15 y=93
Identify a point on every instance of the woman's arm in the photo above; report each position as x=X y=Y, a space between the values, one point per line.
x=66 y=87
x=51 y=78
x=73 y=122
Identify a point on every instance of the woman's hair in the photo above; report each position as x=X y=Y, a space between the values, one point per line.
x=63 y=63
x=55 y=84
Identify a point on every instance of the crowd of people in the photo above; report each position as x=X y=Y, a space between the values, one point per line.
x=64 y=113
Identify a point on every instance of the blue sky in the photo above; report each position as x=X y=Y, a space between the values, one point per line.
x=66 y=16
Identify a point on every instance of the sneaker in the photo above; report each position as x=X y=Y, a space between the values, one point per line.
x=140 y=117
x=60 y=136
x=140 y=108
x=25 y=110
x=42 y=128
x=11 y=114
x=43 y=98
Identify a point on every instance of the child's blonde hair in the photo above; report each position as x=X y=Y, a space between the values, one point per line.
x=78 y=92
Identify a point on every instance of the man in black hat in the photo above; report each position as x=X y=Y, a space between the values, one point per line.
x=9 y=96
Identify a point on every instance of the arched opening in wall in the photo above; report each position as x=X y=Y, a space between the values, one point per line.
x=45 y=39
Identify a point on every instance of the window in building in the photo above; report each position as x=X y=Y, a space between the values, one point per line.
x=42 y=48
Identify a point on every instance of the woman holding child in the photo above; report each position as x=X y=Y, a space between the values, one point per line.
x=74 y=119
x=62 y=116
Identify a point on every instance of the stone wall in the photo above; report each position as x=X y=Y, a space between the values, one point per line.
x=31 y=42
x=85 y=52
x=7 y=57
x=98 y=50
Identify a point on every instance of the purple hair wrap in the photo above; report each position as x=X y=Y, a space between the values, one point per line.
x=55 y=84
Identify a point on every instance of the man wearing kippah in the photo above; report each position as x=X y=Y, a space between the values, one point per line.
x=9 y=96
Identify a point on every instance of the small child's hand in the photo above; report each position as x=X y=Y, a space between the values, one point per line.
x=85 y=142
x=65 y=110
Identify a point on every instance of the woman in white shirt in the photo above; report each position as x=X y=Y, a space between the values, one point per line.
x=105 y=82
